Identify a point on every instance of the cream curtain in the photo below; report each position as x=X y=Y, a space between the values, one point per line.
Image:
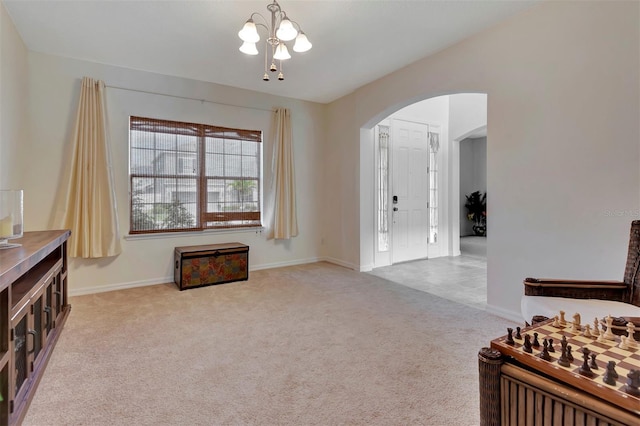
x=285 y=222
x=89 y=205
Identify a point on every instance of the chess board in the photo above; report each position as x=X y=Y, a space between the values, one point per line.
x=625 y=359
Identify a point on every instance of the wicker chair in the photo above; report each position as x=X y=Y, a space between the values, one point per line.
x=596 y=298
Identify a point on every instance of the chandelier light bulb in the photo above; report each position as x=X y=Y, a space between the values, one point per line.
x=282 y=52
x=265 y=77
x=302 y=43
x=280 y=76
x=249 y=48
x=286 y=30
x=249 y=33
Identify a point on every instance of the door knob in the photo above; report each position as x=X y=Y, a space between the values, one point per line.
x=395 y=209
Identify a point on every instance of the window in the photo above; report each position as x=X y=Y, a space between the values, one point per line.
x=190 y=177
x=434 y=146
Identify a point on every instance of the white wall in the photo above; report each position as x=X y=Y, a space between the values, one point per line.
x=54 y=84
x=13 y=103
x=473 y=175
x=563 y=140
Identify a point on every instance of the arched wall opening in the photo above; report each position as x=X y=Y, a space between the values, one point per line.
x=467 y=114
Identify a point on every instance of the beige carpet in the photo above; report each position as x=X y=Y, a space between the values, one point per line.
x=307 y=345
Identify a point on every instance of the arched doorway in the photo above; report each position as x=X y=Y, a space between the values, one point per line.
x=393 y=170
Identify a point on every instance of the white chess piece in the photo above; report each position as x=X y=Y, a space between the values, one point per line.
x=623 y=343
x=601 y=338
x=608 y=334
x=556 y=323
x=575 y=325
x=596 y=327
x=631 y=340
x=587 y=331
x=562 y=320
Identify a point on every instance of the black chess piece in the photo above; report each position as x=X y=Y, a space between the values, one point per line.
x=633 y=383
x=569 y=354
x=545 y=351
x=594 y=364
x=509 y=340
x=563 y=360
x=610 y=375
x=527 y=344
x=585 y=370
x=551 y=349
x=518 y=335
x=536 y=343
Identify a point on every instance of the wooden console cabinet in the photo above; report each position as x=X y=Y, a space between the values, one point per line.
x=33 y=309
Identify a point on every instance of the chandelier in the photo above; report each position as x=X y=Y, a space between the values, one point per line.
x=282 y=29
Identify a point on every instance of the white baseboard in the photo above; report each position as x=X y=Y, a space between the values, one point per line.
x=341 y=263
x=120 y=286
x=284 y=264
x=164 y=280
x=505 y=313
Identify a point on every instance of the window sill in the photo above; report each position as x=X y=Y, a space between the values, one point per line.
x=161 y=235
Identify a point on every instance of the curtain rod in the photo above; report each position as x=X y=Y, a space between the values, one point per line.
x=185 y=97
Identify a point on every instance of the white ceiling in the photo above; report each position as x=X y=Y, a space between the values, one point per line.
x=354 y=42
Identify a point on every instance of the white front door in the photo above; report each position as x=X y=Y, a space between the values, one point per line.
x=410 y=191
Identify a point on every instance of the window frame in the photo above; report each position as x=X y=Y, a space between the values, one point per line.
x=203 y=133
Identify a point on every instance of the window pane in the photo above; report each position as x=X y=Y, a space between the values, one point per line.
x=165 y=141
x=142 y=161
x=165 y=163
x=142 y=201
x=249 y=168
x=187 y=143
x=215 y=145
x=233 y=165
x=215 y=165
x=232 y=147
x=142 y=139
x=250 y=148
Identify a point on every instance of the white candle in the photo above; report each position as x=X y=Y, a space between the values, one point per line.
x=6 y=227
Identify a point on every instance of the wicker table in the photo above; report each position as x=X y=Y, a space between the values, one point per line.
x=518 y=388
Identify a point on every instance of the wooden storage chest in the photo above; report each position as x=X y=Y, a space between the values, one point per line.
x=197 y=266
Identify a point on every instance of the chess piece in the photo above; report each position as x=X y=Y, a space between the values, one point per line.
x=527 y=344
x=536 y=343
x=596 y=327
x=545 y=351
x=585 y=370
x=509 y=340
x=575 y=325
x=518 y=335
x=623 y=343
x=587 y=331
x=569 y=354
x=563 y=360
x=556 y=323
x=594 y=364
x=601 y=338
x=610 y=375
x=551 y=345
x=562 y=321
x=633 y=382
x=608 y=333
x=631 y=340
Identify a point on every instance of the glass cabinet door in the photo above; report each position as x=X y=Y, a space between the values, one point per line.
x=21 y=354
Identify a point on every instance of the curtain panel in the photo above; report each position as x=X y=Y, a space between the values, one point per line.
x=89 y=204
x=285 y=222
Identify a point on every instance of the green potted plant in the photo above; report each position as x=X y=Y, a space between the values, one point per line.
x=476 y=206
